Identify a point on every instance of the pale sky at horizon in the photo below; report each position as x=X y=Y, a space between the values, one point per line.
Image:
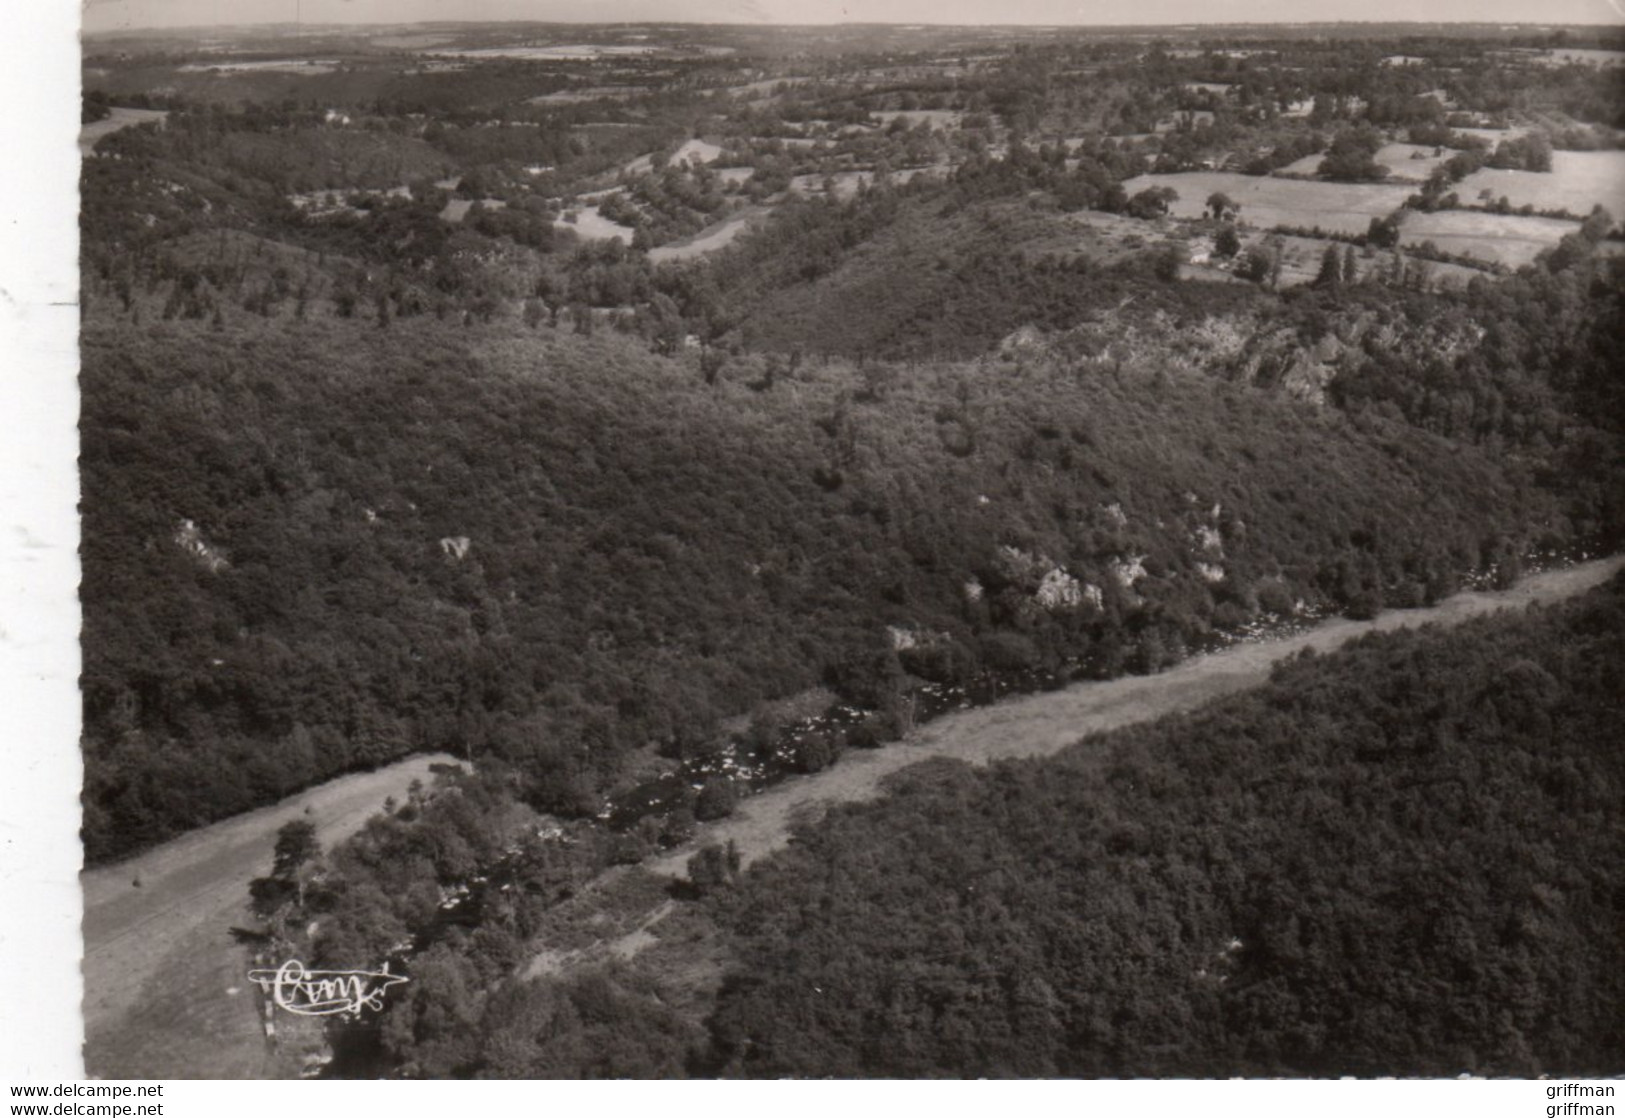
x=113 y=15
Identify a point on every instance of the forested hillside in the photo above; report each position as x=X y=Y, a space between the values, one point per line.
x=648 y=415
x=311 y=551
x=1402 y=858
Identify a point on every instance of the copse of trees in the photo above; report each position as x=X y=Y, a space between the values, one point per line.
x=1351 y=156
x=1529 y=152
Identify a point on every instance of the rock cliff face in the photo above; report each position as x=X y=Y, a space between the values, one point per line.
x=1249 y=348
x=1281 y=358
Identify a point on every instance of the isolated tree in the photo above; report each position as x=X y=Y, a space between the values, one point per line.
x=715 y=801
x=296 y=848
x=1331 y=268
x=712 y=361
x=295 y=845
x=1227 y=243
x=1222 y=205
x=1254 y=265
x=1152 y=202
x=713 y=867
x=1383 y=232
x=1167 y=262
x=1597 y=225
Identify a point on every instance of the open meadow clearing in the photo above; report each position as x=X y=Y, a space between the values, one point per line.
x=457 y=208
x=1577 y=181
x=1411 y=162
x=1267 y=202
x=591 y=225
x=1508 y=239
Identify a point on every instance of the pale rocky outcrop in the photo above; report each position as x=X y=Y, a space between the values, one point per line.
x=191 y=541
x=1128 y=570
x=1058 y=590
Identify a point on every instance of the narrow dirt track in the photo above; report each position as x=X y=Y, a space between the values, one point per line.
x=1043 y=724
x=140 y=941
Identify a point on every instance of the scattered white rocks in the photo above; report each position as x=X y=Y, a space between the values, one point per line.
x=902 y=640
x=1128 y=570
x=191 y=541
x=1058 y=590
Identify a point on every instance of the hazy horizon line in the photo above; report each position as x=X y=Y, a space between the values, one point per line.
x=909 y=24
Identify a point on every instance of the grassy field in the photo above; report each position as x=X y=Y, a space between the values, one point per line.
x=1504 y=238
x=456 y=209
x=593 y=226
x=1266 y=202
x=1577 y=181
x=1410 y=162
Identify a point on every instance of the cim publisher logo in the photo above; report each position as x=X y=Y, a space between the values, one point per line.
x=320 y=993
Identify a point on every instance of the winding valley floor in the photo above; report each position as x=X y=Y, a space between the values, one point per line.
x=165 y=992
